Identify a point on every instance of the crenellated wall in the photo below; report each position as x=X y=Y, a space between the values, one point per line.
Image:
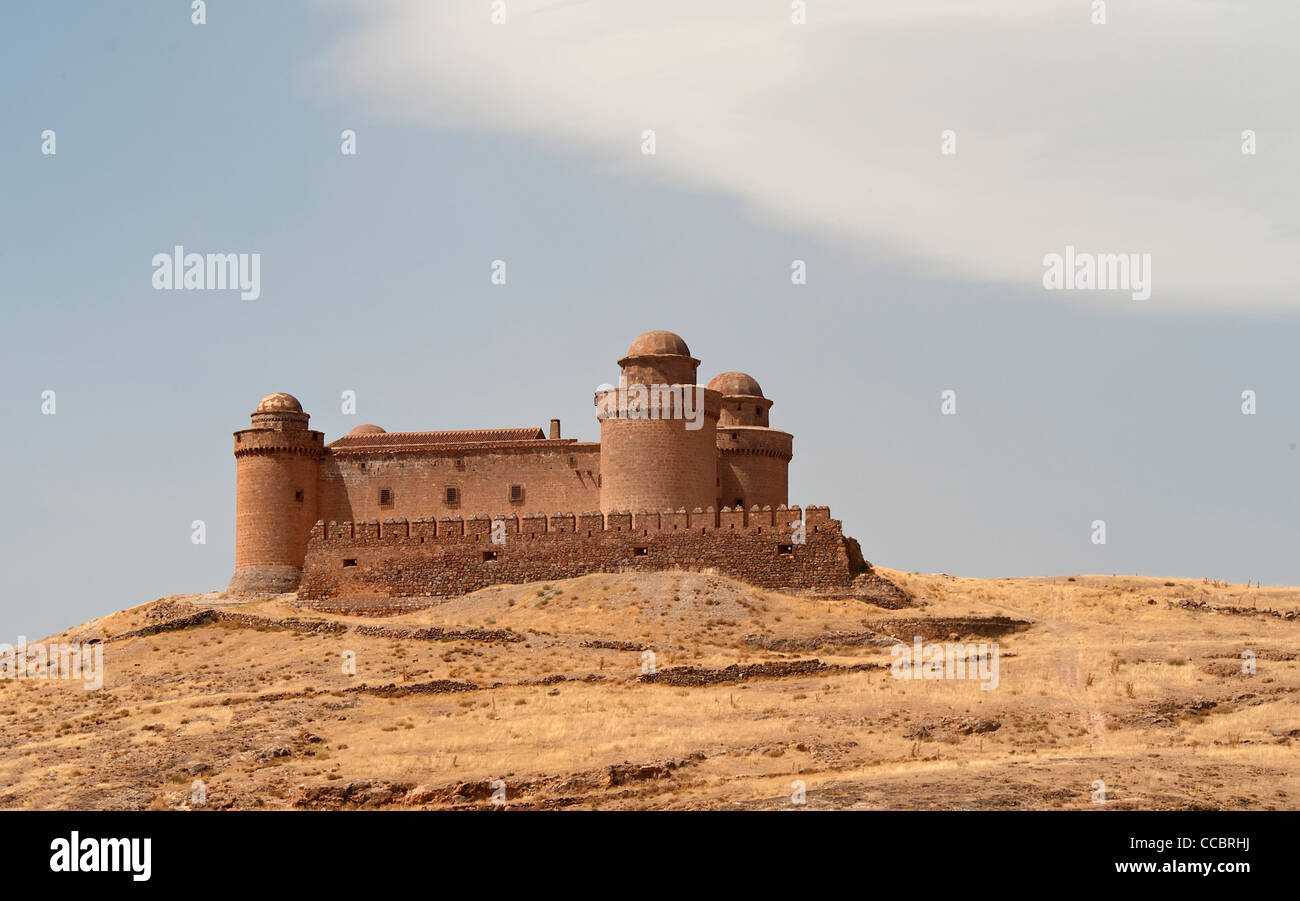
x=450 y=556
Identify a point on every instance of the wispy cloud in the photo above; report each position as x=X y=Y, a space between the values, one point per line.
x=1123 y=137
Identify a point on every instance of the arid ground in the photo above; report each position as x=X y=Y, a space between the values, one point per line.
x=1136 y=683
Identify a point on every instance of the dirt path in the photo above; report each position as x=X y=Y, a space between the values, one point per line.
x=1091 y=716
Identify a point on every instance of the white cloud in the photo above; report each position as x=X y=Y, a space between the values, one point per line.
x=1123 y=137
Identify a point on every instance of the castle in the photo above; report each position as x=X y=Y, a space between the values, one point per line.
x=683 y=475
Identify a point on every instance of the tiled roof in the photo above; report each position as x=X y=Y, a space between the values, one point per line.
x=397 y=440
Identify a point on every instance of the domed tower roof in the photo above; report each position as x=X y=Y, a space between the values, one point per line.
x=659 y=342
x=367 y=429
x=736 y=383
x=279 y=402
x=659 y=358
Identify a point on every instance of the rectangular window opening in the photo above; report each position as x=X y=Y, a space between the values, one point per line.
x=640 y=551
x=385 y=497
x=351 y=561
x=785 y=548
x=489 y=555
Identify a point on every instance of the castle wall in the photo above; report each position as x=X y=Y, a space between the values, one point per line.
x=753 y=465
x=365 y=561
x=753 y=479
x=557 y=478
x=275 y=507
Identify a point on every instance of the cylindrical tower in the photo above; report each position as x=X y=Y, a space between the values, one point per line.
x=753 y=458
x=277 y=466
x=658 y=430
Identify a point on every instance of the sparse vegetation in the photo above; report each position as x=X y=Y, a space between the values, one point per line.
x=1102 y=678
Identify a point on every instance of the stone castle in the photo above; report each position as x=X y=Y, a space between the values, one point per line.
x=684 y=475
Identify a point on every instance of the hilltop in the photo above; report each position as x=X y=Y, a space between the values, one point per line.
x=1134 y=682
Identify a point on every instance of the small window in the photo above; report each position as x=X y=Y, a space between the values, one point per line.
x=351 y=561
x=385 y=497
x=452 y=495
x=297 y=495
x=758 y=411
x=460 y=464
x=516 y=494
x=489 y=555
x=640 y=551
x=784 y=549
x=740 y=502
x=733 y=436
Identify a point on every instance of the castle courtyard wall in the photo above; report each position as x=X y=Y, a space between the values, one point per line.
x=451 y=556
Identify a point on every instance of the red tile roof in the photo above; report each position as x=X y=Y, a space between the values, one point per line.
x=404 y=440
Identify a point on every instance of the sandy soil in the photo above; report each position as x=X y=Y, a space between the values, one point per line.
x=540 y=692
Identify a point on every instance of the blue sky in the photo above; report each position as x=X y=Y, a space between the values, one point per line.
x=375 y=278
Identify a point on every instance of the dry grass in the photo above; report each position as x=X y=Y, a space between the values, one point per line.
x=1110 y=683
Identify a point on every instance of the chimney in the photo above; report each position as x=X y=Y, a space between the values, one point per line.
x=555 y=429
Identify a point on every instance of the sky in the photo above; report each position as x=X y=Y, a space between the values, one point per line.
x=523 y=140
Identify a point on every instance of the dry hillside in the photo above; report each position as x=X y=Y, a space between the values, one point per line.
x=1135 y=682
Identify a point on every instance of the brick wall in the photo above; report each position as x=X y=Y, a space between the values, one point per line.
x=753 y=465
x=656 y=462
x=754 y=479
x=276 y=475
x=447 y=557
x=560 y=478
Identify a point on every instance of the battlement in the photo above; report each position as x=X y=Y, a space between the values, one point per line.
x=756 y=521
x=275 y=441
x=798 y=551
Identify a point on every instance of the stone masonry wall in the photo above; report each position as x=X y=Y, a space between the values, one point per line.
x=447 y=557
